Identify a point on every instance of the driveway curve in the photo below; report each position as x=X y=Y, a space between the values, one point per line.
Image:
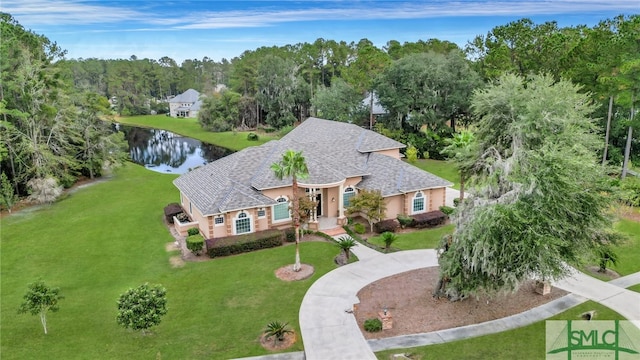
x=328 y=328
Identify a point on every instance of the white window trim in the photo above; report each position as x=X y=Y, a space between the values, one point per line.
x=424 y=202
x=273 y=210
x=237 y=217
x=218 y=217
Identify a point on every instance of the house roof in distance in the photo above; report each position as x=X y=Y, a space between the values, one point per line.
x=334 y=151
x=189 y=96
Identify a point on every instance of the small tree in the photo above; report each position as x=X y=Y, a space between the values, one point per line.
x=7 y=196
x=142 y=307
x=40 y=299
x=412 y=154
x=305 y=208
x=606 y=256
x=277 y=330
x=369 y=203
x=346 y=243
x=388 y=238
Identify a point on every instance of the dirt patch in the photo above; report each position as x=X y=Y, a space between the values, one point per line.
x=629 y=213
x=172 y=246
x=408 y=298
x=286 y=273
x=608 y=273
x=271 y=345
x=176 y=261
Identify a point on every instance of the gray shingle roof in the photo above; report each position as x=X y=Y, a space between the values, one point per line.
x=333 y=151
x=189 y=96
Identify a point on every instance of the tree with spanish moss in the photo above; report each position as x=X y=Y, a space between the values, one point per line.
x=540 y=195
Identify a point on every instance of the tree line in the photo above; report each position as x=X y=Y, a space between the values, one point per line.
x=424 y=86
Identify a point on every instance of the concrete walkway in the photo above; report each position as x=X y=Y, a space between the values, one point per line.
x=329 y=329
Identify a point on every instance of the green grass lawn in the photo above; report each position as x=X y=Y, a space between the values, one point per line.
x=191 y=128
x=629 y=251
x=523 y=343
x=421 y=239
x=444 y=169
x=108 y=237
x=635 y=288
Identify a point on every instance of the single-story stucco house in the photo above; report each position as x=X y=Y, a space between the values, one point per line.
x=186 y=104
x=239 y=193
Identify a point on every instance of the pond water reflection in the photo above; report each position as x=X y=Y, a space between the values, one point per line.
x=166 y=152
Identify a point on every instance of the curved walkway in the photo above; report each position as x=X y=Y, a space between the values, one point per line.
x=329 y=329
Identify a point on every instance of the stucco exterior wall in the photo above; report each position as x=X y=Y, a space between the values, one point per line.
x=395 y=206
x=394 y=153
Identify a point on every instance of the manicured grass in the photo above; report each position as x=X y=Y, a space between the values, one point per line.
x=109 y=237
x=629 y=251
x=444 y=169
x=524 y=343
x=191 y=128
x=420 y=239
x=635 y=288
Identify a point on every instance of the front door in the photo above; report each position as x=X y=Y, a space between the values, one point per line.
x=319 y=206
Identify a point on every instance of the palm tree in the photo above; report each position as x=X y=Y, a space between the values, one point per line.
x=458 y=149
x=277 y=330
x=345 y=243
x=293 y=165
x=388 y=238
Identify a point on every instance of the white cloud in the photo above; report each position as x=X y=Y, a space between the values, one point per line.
x=172 y=15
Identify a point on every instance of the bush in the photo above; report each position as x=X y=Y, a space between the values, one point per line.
x=429 y=219
x=386 y=226
x=290 y=235
x=373 y=325
x=630 y=191
x=456 y=202
x=448 y=210
x=195 y=243
x=359 y=228
x=193 y=231
x=252 y=136
x=405 y=220
x=231 y=245
x=269 y=130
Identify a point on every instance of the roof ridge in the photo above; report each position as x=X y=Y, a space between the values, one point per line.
x=400 y=179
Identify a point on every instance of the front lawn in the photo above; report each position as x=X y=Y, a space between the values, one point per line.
x=444 y=169
x=628 y=252
x=234 y=140
x=109 y=237
x=523 y=343
x=419 y=239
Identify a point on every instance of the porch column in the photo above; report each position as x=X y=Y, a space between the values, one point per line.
x=340 y=202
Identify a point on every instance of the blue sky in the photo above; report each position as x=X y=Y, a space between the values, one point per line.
x=224 y=29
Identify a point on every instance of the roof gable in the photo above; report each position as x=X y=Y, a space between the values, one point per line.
x=189 y=96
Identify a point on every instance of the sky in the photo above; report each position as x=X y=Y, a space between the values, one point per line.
x=224 y=29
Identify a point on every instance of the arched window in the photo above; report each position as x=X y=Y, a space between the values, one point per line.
x=347 y=195
x=281 y=209
x=418 y=202
x=242 y=223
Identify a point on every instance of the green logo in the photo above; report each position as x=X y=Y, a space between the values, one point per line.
x=602 y=339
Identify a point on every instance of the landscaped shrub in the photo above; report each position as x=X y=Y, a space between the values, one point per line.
x=193 y=231
x=231 y=245
x=386 y=225
x=405 y=220
x=448 y=210
x=429 y=219
x=630 y=191
x=456 y=202
x=290 y=235
x=359 y=228
x=183 y=218
x=195 y=243
x=252 y=136
x=172 y=210
x=373 y=325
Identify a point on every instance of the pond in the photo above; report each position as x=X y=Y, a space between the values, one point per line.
x=166 y=152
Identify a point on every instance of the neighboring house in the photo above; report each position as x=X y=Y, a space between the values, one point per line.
x=239 y=193
x=378 y=109
x=186 y=104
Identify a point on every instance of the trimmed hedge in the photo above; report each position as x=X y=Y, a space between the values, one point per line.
x=195 y=243
x=429 y=219
x=405 y=220
x=389 y=225
x=231 y=245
